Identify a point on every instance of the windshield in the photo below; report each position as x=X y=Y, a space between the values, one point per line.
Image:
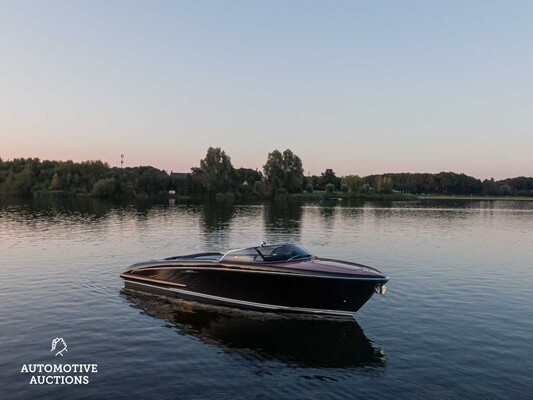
x=274 y=253
x=242 y=255
x=284 y=252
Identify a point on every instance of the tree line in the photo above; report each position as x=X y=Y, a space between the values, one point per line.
x=282 y=174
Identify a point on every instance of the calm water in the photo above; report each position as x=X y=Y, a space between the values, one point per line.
x=457 y=321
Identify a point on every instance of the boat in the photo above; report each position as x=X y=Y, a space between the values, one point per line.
x=279 y=278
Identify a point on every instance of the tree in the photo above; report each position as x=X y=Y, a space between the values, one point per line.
x=378 y=181
x=91 y=172
x=248 y=175
x=56 y=183
x=295 y=171
x=383 y=184
x=330 y=187
x=386 y=186
x=313 y=180
x=21 y=176
x=521 y=185
x=27 y=176
x=219 y=173
x=354 y=183
x=260 y=187
x=23 y=182
x=328 y=176
x=505 y=190
x=150 y=180
x=284 y=171
x=104 y=188
x=489 y=187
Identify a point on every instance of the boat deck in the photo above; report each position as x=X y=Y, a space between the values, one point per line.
x=211 y=257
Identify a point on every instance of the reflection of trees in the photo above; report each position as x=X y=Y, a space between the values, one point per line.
x=283 y=220
x=217 y=215
x=328 y=216
x=58 y=208
x=215 y=221
x=73 y=211
x=305 y=342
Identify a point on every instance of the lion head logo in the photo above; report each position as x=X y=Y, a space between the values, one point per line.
x=60 y=345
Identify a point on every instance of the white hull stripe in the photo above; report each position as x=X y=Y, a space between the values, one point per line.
x=355 y=278
x=142 y=278
x=250 y=303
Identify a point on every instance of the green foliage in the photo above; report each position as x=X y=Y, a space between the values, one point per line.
x=30 y=176
x=383 y=184
x=520 y=186
x=446 y=183
x=191 y=184
x=260 y=188
x=378 y=180
x=248 y=175
x=284 y=170
x=220 y=176
x=56 y=182
x=489 y=187
x=386 y=185
x=313 y=181
x=353 y=182
x=283 y=174
x=327 y=177
x=106 y=187
x=505 y=190
x=330 y=188
x=274 y=170
x=281 y=193
x=22 y=182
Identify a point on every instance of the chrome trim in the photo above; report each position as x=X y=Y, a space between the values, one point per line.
x=355 y=278
x=126 y=276
x=231 y=251
x=253 y=304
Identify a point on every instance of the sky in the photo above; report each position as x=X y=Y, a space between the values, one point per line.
x=359 y=87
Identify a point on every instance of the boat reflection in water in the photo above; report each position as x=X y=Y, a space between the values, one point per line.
x=294 y=340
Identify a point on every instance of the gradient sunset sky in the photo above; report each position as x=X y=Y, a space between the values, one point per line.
x=360 y=87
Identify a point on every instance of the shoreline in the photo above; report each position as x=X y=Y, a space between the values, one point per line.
x=477 y=197
x=316 y=195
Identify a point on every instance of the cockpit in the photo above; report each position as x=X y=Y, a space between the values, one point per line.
x=271 y=253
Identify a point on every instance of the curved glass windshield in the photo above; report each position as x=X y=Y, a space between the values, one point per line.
x=274 y=253
x=284 y=252
x=243 y=255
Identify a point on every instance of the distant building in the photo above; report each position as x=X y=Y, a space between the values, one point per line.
x=196 y=174
x=179 y=175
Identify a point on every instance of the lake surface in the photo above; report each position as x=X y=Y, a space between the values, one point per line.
x=456 y=322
